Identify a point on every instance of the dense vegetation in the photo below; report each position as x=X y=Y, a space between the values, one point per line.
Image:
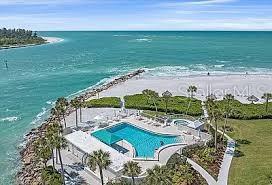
x=254 y=141
x=206 y=156
x=176 y=104
x=113 y=102
x=9 y=37
x=176 y=172
x=247 y=111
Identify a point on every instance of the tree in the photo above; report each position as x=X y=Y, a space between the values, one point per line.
x=101 y=160
x=56 y=113
x=132 y=169
x=267 y=97
x=217 y=115
x=61 y=106
x=191 y=90
x=51 y=131
x=152 y=95
x=183 y=175
x=81 y=105
x=57 y=141
x=51 y=177
x=76 y=104
x=166 y=97
x=42 y=150
x=158 y=175
x=227 y=110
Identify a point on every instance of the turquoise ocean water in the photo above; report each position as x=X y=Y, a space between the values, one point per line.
x=38 y=75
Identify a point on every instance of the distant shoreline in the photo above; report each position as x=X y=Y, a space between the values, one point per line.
x=48 y=40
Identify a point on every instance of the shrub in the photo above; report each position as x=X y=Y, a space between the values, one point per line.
x=112 y=102
x=247 y=111
x=176 y=104
x=176 y=160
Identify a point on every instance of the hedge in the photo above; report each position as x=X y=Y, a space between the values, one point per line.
x=247 y=111
x=112 y=102
x=176 y=104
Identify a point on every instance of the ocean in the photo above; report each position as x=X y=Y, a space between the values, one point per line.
x=38 y=75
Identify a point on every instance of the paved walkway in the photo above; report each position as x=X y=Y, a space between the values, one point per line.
x=210 y=180
x=225 y=166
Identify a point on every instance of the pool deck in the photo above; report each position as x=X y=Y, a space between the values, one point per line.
x=89 y=113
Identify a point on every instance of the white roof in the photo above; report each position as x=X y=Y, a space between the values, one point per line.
x=195 y=124
x=88 y=144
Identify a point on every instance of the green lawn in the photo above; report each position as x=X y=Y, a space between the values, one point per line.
x=256 y=165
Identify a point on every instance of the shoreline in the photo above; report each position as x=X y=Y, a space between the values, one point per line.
x=29 y=171
x=48 y=40
x=131 y=83
x=241 y=86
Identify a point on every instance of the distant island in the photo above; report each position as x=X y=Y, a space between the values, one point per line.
x=14 y=38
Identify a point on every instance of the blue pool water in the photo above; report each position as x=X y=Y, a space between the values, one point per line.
x=144 y=142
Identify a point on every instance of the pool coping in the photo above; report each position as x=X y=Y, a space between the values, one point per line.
x=156 y=152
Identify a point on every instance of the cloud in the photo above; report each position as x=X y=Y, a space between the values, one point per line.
x=208 y=2
x=204 y=2
x=44 y=2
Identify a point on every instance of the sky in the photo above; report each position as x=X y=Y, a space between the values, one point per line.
x=51 y=15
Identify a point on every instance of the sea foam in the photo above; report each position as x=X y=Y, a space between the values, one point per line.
x=10 y=119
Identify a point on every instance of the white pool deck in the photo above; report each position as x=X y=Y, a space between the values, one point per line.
x=88 y=144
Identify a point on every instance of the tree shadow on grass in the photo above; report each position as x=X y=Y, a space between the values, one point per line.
x=240 y=142
x=238 y=153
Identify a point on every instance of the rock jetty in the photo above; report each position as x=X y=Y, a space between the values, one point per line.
x=30 y=173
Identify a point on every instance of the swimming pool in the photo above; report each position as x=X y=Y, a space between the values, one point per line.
x=145 y=142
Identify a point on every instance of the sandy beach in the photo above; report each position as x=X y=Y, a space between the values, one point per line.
x=241 y=86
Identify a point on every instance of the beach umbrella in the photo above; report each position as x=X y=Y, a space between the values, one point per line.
x=253 y=99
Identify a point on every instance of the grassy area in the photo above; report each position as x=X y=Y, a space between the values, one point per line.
x=248 y=111
x=113 y=102
x=256 y=165
x=177 y=104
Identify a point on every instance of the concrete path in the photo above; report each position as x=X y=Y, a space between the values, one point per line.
x=225 y=166
x=229 y=153
x=210 y=180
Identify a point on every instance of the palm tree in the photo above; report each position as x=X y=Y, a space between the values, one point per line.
x=210 y=104
x=101 y=160
x=158 y=175
x=217 y=115
x=60 y=144
x=76 y=104
x=42 y=150
x=132 y=169
x=57 y=141
x=191 y=90
x=267 y=97
x=229 y=98
x=153 y=95
x=166 y=96
x=61 y=106
x=183 y=175
x=55 y=112
x=81 y=105
x=51 y=131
